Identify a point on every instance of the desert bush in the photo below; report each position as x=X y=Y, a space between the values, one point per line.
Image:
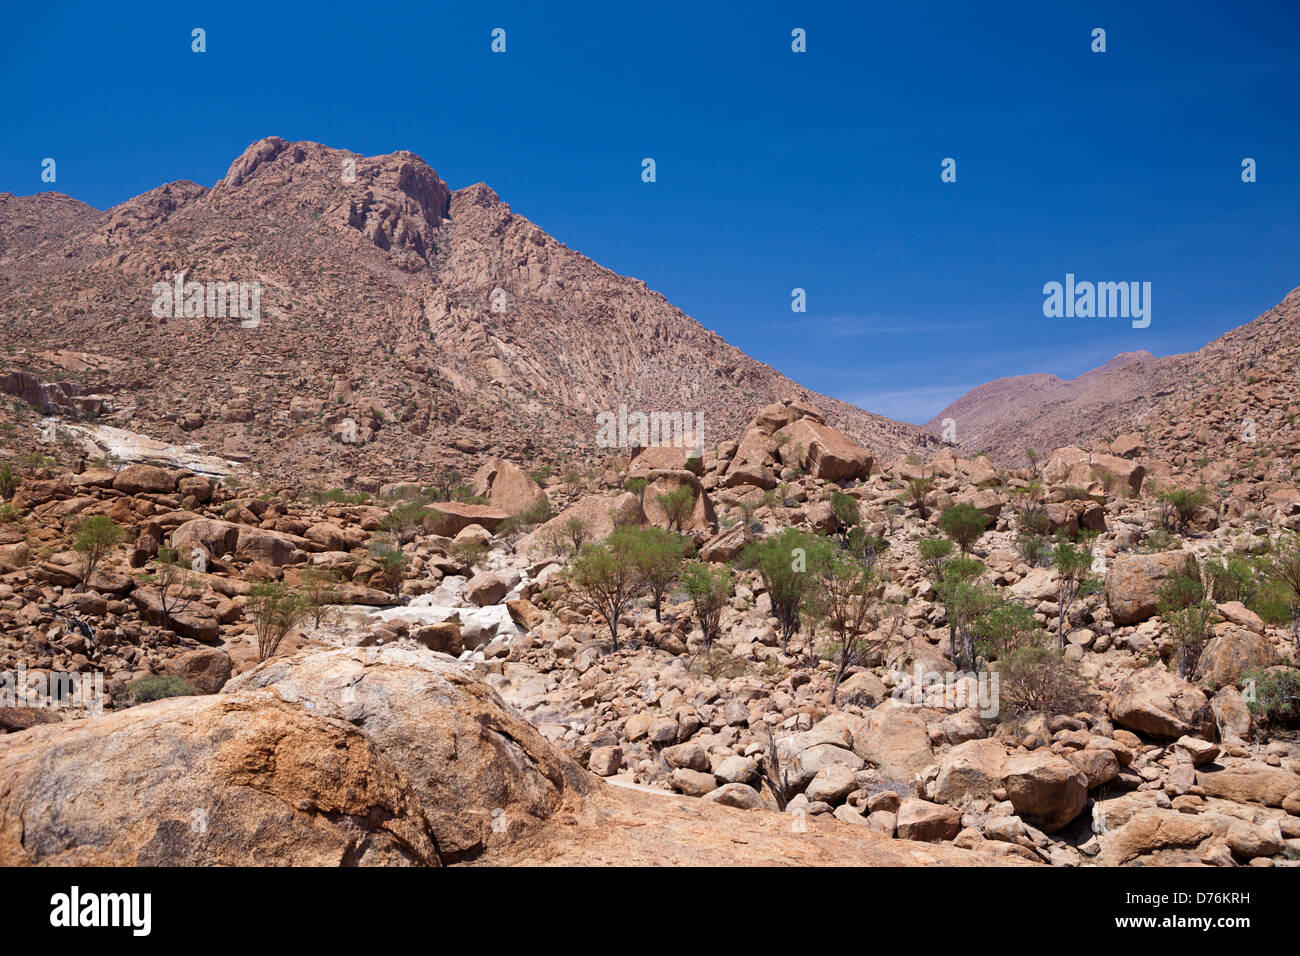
x=1273 y=696
x=783 y=560
x=934 y=554
x=159 y=686
x=1179 y=505
x=93 y=539
x=171 y=579
x=1004 y=627
x=1072 y=566
x=710 y=589
x=678 y=505
x=843 y=599
x=604 y=578
x=658 y=557
x=964 y=524
x=468 y=552
x=320 y=588
x=392 y=561
x=8 y=481
x=1037 y=679
x=917 y=492
x=276 y=609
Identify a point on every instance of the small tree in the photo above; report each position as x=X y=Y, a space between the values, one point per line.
x=319 y=589
x=710 y=589
x=171 y=579
x=867 y=548
x=1004 y=627
x=964 y=600
x=636 y=486
x=391 y=559
x=1178 y=506
x=678 y=505
x=1035 y=679
x=964 y=523
x=658 y=557
x=605 y=579
x=934 y=554
x=783 y=560
x=574 y=532
x=93 y=539
x=1281 y=567
x=8 y=481
x=848 y=513
x=1072 y=566
x=917 y=492
x=1186 y=602
x=276 y=609
x=846 y=592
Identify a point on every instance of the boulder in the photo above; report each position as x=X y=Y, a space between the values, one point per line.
x=1133 y=583
x=927 y=822
x=1232 y=653
x=507 y=486
x=206 y=669
x=1248 y=783
x=468 y=759
x=145 y=479
x=972 y=770
x=485 y=588
x=701 y=516
x=221 y=780
x=1155 y=702
x=449 y=518
x=601 y=514
x=1047 y=790
x=822 y=451
x=896 y=741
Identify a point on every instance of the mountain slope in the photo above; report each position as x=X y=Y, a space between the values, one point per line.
x=377 y=305
x=1134 y=391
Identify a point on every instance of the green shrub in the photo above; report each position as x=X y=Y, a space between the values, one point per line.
x=964 y=524
x=1273 y=696
x=159 y=686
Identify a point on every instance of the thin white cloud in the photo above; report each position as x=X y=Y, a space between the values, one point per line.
x=917 y=405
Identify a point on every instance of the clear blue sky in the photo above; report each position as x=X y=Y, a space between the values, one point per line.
x=775 y=169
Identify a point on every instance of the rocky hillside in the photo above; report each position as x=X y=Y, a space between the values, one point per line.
x=403 y=326
x=1120 y=729
x=1135 y=391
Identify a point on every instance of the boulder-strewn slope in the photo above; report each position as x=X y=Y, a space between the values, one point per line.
x=367 y=757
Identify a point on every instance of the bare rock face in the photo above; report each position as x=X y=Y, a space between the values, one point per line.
x=1133 y=584
x=221 y=780
x=1155 y=702
x=481 y=774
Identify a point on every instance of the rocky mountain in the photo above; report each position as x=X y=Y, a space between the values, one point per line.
x=1134 y=391
x=402 y=325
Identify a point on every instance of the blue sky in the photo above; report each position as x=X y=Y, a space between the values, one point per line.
x=775 y=170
